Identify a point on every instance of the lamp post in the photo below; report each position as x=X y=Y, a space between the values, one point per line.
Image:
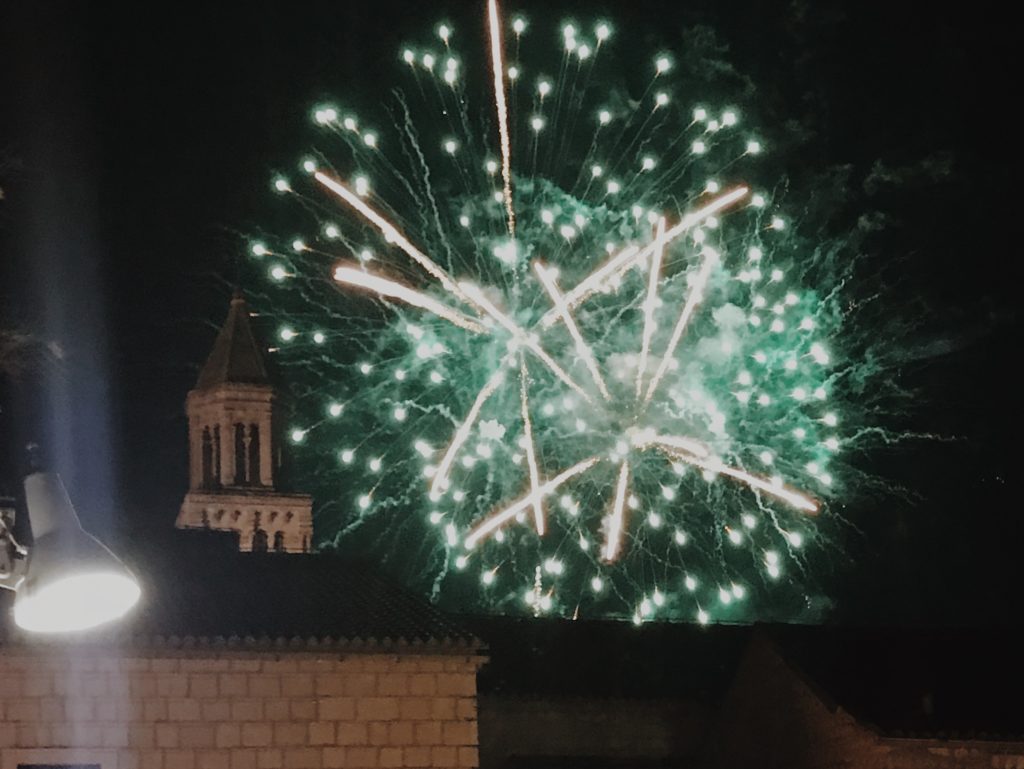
x=68 y=580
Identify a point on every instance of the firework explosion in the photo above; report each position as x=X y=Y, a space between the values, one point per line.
x=556 y=346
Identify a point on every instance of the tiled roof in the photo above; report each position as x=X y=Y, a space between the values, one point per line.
x=543 y=657
x=201 y=591
x=943 y=682
x=236 y=356
x=915 y=681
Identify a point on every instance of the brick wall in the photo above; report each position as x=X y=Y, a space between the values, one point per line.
x=236 y=710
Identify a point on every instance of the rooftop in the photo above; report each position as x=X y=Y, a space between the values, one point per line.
x=236 y=357
x=198 y=587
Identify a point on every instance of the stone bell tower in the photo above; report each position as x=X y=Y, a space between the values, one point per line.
x=232 y=453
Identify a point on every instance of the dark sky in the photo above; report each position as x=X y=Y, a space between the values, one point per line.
x=137 y=141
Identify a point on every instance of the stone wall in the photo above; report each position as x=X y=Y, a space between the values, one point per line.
x=775 y=718
x=516 y=729
x=203 y=709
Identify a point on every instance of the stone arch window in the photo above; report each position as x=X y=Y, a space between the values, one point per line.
x=207 y=455
x=216 y=456
x=278 y=541
x=259 y=541
x=254 y=455
x=240 y=463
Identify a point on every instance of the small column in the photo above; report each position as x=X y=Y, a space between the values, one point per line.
x=247 y=452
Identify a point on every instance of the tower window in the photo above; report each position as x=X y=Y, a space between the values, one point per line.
x=216 y=456
x=259 y=541
x=240 y=463
x=254 y=455
x=207 y=454
x=278 y=541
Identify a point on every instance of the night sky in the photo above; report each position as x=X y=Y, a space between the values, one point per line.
x=137 y=145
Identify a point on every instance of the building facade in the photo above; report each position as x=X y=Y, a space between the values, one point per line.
x=174 y=705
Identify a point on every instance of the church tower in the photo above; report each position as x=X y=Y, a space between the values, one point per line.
x=232 y=457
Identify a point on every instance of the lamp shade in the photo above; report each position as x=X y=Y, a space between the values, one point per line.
x=73 y=582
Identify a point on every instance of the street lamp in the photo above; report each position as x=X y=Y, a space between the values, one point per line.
x=68 y=580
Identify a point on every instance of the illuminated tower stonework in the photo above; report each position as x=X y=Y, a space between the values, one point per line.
x=233 y=459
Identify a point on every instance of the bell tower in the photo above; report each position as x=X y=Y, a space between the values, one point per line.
x=232 y=454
